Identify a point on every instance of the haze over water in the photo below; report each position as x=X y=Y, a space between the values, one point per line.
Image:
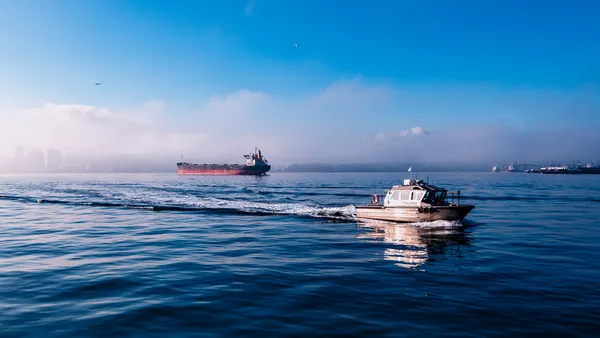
x=283 y=255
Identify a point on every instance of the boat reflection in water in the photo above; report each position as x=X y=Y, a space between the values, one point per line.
x=416 y=243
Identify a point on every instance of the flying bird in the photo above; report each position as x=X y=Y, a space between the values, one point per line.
x=98 y=83
x=296 y=45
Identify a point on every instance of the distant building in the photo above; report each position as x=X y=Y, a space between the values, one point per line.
x=74 y=162
x=5 y=165
x=54 y=160
x=20 y=161
x=36 y=161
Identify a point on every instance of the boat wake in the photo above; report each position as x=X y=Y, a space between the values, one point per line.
x=206 y=205
x=212 y=205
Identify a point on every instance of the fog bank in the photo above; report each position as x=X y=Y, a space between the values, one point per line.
x=348 y=122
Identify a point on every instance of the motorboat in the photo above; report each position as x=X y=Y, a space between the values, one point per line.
x=415 y=201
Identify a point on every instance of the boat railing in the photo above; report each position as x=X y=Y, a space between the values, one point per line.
x=452 y=195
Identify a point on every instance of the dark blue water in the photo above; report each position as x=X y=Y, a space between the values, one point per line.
x=283 y=255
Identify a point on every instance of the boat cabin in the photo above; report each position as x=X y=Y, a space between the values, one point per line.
x=415 y=193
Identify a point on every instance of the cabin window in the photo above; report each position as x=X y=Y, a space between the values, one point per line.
x=395 y=195
x=406 y=195
x=417 y=195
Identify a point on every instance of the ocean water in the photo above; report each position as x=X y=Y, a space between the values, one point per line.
x=283 y=255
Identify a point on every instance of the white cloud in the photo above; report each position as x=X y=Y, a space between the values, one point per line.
x=236 y=103
x=414 y=131
x=88 y=128
x=418 y=131
x=381 y=136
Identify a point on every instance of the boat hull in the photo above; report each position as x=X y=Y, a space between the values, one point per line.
x=582 y=171
x=200 y=169
x=413 y=214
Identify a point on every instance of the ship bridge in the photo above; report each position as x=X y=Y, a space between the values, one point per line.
x=256 y=159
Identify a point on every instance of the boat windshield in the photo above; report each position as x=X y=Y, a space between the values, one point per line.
x=439 y=196
x=435 y=196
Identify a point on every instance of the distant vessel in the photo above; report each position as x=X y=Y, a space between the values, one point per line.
x=414 y=201
x=256 y=165
x=517 y=168
x=589 y=169
x=511 y=168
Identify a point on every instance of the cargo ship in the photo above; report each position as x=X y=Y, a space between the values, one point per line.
x=255 y=165
x=589 y=169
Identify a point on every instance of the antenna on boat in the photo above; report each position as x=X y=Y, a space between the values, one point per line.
x=410 y=173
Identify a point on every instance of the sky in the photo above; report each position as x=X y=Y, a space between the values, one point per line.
x=387 y=81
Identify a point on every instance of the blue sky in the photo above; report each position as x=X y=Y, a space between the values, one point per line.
x=525 y=67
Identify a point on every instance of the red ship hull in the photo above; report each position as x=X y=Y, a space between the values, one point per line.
x=208 y=169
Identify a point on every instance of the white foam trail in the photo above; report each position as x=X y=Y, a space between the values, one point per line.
x=438 y=224
x=171 y=198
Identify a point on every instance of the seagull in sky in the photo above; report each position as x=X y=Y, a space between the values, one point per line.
x=98 y=83
x=296 y=45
